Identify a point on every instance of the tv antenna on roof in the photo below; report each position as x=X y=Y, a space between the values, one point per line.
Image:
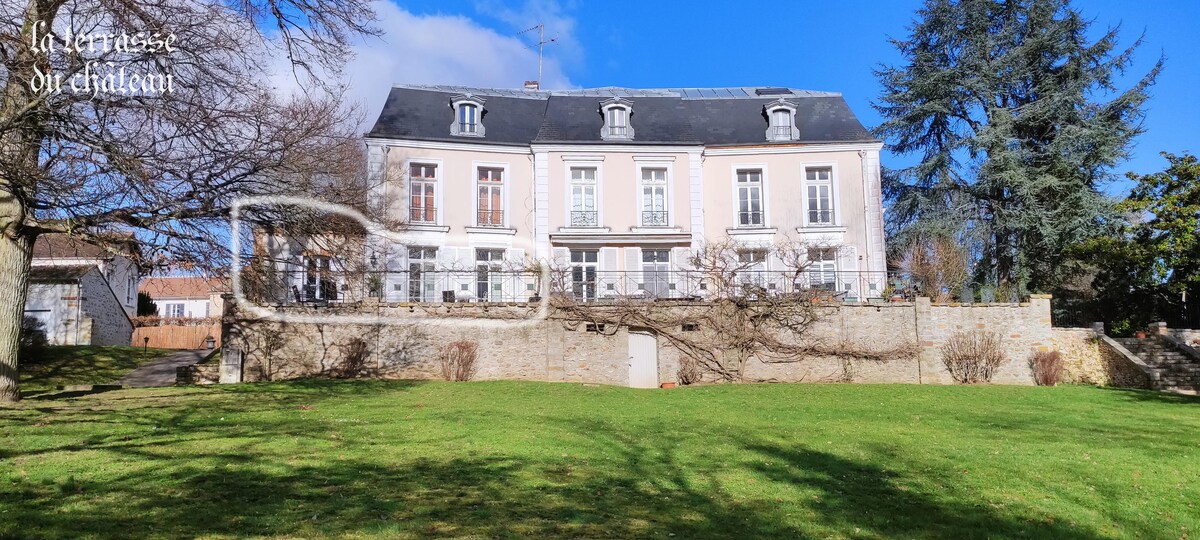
x=541 y=43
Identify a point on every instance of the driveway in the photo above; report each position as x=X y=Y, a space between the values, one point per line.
x=161 y=372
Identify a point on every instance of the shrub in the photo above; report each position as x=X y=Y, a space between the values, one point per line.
x=1047 y=367
x=354 y=360
x=972 y=357
x=458 y=360
x=689 y=372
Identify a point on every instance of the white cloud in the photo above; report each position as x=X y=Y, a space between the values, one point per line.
x=434 y=49
x=558 y=25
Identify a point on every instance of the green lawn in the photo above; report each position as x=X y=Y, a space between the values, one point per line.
x=506 y=459
x=56 y=366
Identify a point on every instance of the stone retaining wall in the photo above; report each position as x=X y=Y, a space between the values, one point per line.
x=559 y=350
x=1088 y=361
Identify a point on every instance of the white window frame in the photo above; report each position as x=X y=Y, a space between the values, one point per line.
x=834 y=202
x=459 y=104
x=492 y=270
x=823 y=268
x=131 y=288
x=427 y=265
x=667 y=192
x=438 y=189
x=757 y=273
x=737 y=207
x=505 y=188
x=583 y=162
x=663 y=268
x=169 y=309
x=583 y=266
x=607 y=111
x=781 y=132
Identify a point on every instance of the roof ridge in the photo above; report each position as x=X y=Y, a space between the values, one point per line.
x=717 y=92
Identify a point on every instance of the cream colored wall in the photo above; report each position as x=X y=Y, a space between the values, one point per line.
x=457 y=179
x=785 y=205
x=619 y=176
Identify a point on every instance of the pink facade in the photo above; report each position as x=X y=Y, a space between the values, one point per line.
x=626 y=198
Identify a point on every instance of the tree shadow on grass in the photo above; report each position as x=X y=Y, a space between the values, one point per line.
x=879 y=503
x=1152 y=396
x=634 y=481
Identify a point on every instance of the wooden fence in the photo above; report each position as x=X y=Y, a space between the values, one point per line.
x=182 y=335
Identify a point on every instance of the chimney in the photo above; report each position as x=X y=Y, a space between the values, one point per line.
x=532 y=85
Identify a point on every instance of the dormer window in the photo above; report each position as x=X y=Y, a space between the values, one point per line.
x=616 y=113
x=468 y=116
x=781 y=115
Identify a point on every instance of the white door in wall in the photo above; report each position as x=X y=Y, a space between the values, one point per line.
x=643 y=360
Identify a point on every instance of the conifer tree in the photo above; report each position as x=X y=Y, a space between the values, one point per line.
x=1018 y=120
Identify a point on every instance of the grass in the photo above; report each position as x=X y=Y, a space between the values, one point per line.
x=52 y=367
x=401 y=459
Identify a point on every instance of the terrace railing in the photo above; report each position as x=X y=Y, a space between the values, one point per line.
x=486 y=284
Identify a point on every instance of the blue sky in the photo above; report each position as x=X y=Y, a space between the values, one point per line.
x=818 y=45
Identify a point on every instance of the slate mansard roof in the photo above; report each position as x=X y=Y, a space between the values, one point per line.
x=691 y=116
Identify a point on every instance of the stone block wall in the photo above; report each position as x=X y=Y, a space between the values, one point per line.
x=1188 y=336
x=1086 y=360
x=410 y=346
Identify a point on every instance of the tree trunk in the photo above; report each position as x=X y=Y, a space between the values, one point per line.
x=15 y=258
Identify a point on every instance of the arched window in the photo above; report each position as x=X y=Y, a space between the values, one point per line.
x=616 y=113
x=781 y=115
x=468 y=116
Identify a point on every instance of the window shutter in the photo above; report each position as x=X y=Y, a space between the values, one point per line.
x=633 y=270
x=516 y=256
x=847 y=273
x=561 y=257
x=684 y=282
x=609 y=282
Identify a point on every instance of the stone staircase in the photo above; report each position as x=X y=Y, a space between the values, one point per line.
x=1171 y=369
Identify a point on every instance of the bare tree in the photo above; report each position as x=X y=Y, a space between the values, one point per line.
x=938 y=264
x=85 y=151
x=745 y=313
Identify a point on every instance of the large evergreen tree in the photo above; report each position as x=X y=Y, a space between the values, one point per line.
x=1017 y=119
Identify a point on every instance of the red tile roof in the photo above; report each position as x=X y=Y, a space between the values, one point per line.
x=183 y=287
x=62 y=246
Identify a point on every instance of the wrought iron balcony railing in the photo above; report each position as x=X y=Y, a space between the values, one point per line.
x=487 y=284
x=820 y=217
x=490 y=218
x=584 y=218
x=422 y=214
x=654 y=218
x=750 y=219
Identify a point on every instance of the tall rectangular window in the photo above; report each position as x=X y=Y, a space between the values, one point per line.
x=822 y=269
x=467 y=118
x=618 y=121
x=750 y=203
x=319 y=282
x=422 y=181
x=583 y=273
x=654 y=198
x=491 y=198
x=781 y=124
x=752 y=267
x=819 y=186
x=489 y=282
x=583 y=197
x=656 y=272
x=422 y=277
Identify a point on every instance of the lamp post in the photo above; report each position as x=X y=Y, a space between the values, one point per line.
x=210 y=343
x=145 y=343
